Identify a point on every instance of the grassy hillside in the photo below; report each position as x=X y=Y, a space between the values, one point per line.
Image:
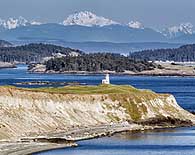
x=100 y=89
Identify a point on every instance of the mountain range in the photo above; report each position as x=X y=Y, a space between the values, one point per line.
x=13 y=23
x=5 y=44
x=85 y=26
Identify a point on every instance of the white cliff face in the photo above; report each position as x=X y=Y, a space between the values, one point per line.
x=165 y=106
x=24 y=112
x=86 y=18
x=42 y=112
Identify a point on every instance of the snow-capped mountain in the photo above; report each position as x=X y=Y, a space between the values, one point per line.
x=88 y=27
x=13 y=23
x=86 y=18
x=135 y=25
x=176 y=31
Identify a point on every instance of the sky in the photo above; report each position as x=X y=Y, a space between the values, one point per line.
x=152 y=13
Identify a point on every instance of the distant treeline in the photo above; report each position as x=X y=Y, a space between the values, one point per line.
x=182 y=54
x=31 y=52
x=98 y=62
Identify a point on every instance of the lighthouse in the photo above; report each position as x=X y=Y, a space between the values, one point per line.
x=106 y=80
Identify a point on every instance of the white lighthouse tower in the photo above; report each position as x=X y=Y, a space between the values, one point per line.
x=106 y=80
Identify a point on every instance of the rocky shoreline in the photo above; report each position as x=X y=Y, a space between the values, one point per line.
x=167 y=69
x=7 y=65
x=32 y=145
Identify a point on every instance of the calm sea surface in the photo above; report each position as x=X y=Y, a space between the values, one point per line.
x=163 y=142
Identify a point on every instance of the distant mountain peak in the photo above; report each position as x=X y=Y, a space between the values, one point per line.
x=4 y=43
x=175 y=31
x=13 y=23
x=135 y=25
x=86 y=18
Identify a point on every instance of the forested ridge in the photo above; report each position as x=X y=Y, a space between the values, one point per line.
x=68 y=61
x=98 y=62
x=32 y=52
x=184 y=53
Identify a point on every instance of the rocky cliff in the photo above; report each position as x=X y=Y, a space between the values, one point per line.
x=27 y=112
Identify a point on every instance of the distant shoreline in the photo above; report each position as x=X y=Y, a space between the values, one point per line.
x=114 y=73
x=100 y=73
x=168 y=69
x=4 y=65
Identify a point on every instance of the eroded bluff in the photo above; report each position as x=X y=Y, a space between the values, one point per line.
x=30 y=111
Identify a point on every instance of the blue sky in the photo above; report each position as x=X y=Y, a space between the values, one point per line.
x=153 y=13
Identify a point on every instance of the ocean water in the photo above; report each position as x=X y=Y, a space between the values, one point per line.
x=183 y=88
x=162 y=142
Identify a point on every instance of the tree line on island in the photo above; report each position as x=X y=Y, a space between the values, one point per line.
x=93 y=62
x=36 y=52
x=184 y=53
x=98 y=62
x=32 y=52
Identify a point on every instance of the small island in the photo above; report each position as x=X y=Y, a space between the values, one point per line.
x=102 y=63
x=94 y=63
x=37 y=119
x=58 y=59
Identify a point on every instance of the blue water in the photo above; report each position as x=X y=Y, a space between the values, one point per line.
x=163 y=142
x=183 y=88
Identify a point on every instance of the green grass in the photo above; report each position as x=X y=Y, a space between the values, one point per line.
x=100 y=89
